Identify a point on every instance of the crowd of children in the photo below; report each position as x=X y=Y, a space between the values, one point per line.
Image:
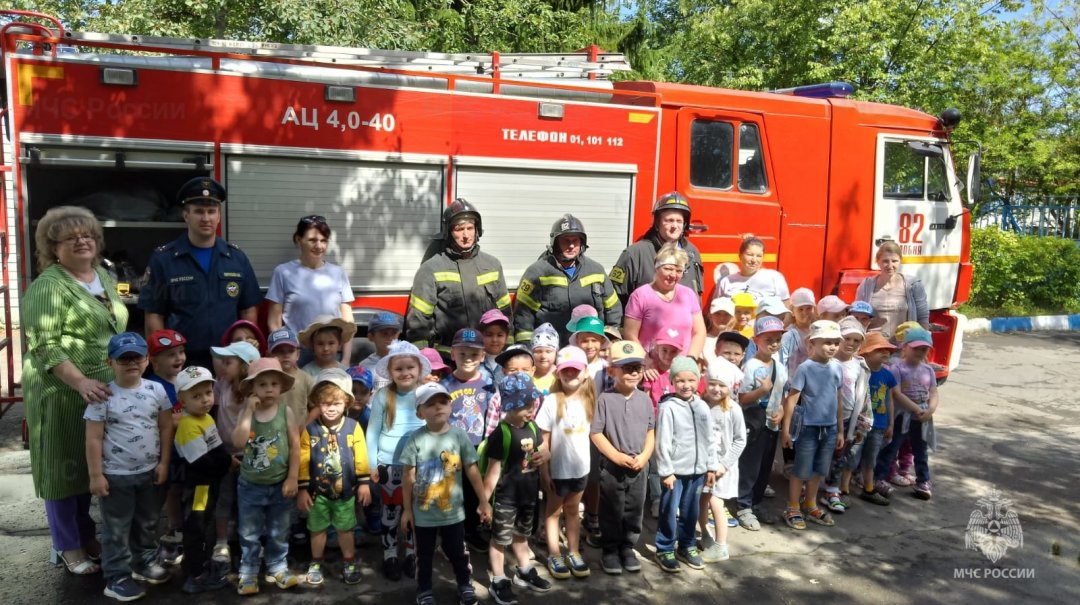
x=495 y=446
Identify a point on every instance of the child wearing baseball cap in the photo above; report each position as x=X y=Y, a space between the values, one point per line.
x=167 y=358
x=858 y=417
x=383 y=328
x=283 y=345
x=918 y=383
x=544 y=346
x=760 y=393
x=514 y=454
x=128 y=445
x=495 y=329
x=436 y=457
x=202 y=452
x=818 y=427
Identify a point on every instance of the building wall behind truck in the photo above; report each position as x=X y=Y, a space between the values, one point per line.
x=13 y=225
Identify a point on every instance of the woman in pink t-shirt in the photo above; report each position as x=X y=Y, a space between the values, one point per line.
x=665 y=304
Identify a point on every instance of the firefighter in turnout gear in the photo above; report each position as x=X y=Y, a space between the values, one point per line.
x=562 y=279
x=453 y=288
x=634 y=268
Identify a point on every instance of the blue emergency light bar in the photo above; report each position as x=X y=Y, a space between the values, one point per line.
x=828 y=90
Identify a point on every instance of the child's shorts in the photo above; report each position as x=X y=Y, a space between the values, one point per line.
x=340 y=513
x=871 y=447
x=814 y=451
x=565 y=487
x=508 y=521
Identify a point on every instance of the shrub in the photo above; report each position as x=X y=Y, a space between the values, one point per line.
x=1018 y=273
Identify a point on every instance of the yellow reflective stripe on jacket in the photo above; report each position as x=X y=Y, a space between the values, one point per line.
x=554 y=280
x=610 y=301
x=528 y=301
x=486 y=278
x=595 y=278
x=442 y=349
x=503 y=302
x=441 y=276
x=523 y=337
x=421 y=305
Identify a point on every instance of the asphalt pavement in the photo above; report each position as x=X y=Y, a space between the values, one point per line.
x=1007 y=421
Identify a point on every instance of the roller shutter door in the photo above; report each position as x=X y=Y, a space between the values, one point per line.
x=519 y=207
x=383 y=215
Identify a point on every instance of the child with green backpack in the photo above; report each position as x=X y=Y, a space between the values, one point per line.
x=513 y=456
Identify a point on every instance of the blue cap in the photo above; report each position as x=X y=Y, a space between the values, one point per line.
x=362 y=375
x=282 y=336
x=517 y=391
x=126 y=342
x=767 y=324
x=468 y=337
x=861 y=306
x=915 y=337
x=383 y=320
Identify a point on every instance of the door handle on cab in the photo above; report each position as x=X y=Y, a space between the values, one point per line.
x=697 y=228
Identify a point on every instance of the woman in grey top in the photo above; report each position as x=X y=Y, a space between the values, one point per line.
x=896 y=297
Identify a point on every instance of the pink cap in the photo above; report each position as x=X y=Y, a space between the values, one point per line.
x=570 y=357
x=669 y=336
x=831 y=304
x=494 y=316
x=802 y=297
x=583 y=311
x=437 y=364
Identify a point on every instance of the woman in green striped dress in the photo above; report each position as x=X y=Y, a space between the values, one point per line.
x=68 y=313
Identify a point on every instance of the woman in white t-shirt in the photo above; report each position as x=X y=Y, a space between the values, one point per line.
x=759 y=282
x=305 y=288
x=564 y=422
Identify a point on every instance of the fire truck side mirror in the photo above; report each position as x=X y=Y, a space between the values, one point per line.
x=974 y=178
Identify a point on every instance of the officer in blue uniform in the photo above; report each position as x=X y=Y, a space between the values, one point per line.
x=199 y=284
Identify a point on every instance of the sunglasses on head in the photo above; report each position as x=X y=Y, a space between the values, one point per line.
x=314 y=219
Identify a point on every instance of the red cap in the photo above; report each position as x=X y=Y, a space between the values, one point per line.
x=163 y=340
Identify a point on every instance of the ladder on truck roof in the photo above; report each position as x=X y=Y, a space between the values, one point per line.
x=589 y=63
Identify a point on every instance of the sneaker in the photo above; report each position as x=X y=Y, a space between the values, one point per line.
x=883 y=487
x=556 y=566
x=834 y=503
x=923 y=490
x=247 y=585
x=770 y=492
x=153 y=573
x=711 y=553
x=408 y=566
x=748 y=519
x=578 y=566
x=391 y=569
x=901 y=480
x=124 y=589
x=350 y=574
x=611 y=563
x=466 y=595
x=691 y=557
x=723 y=553
x=282 y=579
x=501 y=593
x=532 y=580
x=667 y=562
x=477 y=542
x=204 y=583
x=314 y=574
x=874 y=498
x=425 y=598
x=629 y=560
x=732 y=522
x=170 y=552
x=221 y=553
x=654 y=509
x=592 y=532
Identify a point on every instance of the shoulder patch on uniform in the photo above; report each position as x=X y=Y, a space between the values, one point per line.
x=526 y=287
x=232 y=245
x=163 y=247
x=618 y=275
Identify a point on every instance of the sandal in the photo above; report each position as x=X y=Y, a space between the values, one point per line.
x=820 y=517
x=834 y=503
x=794 y=518
x=82 y=567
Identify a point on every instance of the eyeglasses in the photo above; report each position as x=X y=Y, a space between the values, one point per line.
x=633 y=368
x=76 y=238
x=314 y=219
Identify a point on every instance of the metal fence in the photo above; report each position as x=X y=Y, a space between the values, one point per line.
x=1053 y=216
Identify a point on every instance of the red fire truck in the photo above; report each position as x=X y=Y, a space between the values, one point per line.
x=380 y=141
